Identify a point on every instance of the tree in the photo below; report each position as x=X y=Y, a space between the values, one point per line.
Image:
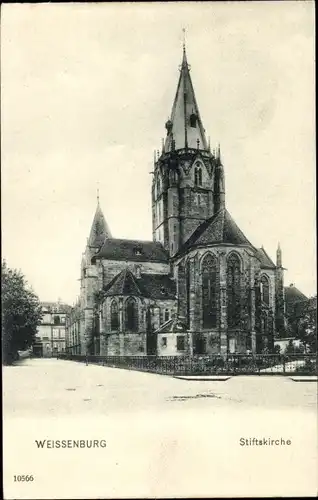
x=302 y=323
x=21 y=313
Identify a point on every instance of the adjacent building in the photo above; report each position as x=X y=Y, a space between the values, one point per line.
x=51 y=335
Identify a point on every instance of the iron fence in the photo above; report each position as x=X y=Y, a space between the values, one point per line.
x=233 y=364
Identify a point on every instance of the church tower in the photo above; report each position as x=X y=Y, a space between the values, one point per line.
x=188 y=181
x=89 y=278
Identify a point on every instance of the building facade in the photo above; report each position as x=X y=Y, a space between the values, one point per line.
x=51 y=334
x=200 y=286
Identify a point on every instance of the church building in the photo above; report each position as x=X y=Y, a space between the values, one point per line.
x=200 y=286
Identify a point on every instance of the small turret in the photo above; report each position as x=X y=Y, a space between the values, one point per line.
x=99 y=230
x=280 y=294
x=219 y=183
x=279 y=256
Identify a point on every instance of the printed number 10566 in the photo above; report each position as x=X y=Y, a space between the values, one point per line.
x=23 y=478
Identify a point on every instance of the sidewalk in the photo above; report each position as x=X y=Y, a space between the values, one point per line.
x=216 y=378
x=304 y=378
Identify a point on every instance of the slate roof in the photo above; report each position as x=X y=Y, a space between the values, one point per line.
x=292 y=297
x=293 y=294
x=155 y=286
x=99 y=230
x=172 y=326
x=220 y=228
x=266 y=261
x=184 y=106
x=132 y=250
x=59 y=306
x=124 y=283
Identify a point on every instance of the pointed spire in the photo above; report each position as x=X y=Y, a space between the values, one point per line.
x=99 y=230
x=185 y=124
x=184 y=56
x=219 y=182
x=218 y=154
x=279 y=260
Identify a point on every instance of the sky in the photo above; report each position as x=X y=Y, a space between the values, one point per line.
x=86 y=90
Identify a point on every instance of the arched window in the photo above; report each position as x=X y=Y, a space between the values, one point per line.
x=167 y=315
x=114 y=316
x=174 y=176
x=131 y=315
x=198 y=175
x=193 y=120
x=233 y=291
x=209 y=291
x=265 y=289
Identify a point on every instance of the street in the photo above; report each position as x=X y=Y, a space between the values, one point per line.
x=165 y=436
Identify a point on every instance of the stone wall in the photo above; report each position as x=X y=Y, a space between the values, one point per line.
x=167 y=344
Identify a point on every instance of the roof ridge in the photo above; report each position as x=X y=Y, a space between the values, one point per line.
x=112 y=281
x=135 y=282
x=239 y=230
x=124 y=279
x=267 y=255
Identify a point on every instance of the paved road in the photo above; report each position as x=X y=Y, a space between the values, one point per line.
x=165 y=436
x=58 y=387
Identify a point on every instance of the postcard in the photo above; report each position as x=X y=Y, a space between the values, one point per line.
x=158 y=250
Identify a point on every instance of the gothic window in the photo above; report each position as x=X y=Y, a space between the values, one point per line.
x=114 y=316
x=131 y=315
x=233 y=291
x=265 y=289
x=209 y=291
x=193 y=120
x=198 y=175
x=174 y=176
x=167 y=315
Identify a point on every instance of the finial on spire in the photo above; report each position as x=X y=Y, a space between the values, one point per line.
x=97 y=193
x=183 y=38
x=184 y=59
